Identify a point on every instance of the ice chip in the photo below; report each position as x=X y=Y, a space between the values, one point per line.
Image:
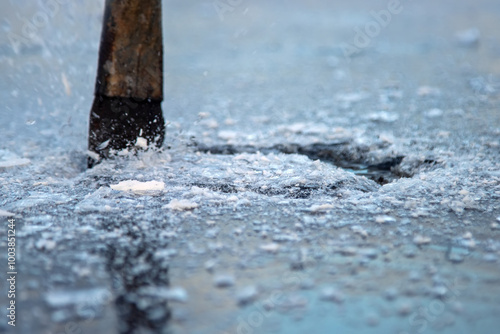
x=138 y=186
x=141 y=143
x=181 y=205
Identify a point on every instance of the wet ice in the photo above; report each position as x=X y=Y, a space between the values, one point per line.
x=220 y=214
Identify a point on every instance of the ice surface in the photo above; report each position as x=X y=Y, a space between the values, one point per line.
x=275 y=221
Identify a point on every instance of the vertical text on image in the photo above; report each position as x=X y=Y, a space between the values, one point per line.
x=11 y=271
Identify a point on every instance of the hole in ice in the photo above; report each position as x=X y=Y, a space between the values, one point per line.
x=341 y=154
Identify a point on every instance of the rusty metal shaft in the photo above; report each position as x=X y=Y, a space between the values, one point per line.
x=126 y=113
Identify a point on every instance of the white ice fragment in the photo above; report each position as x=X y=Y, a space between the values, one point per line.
x=123 y=153
x=316 y=129
x=421 y=240
x=384 y=219
x=181 y=205
x=271 y=248
x=321 y=208
x=65 y=298
x=168 y=234
x=428 y=91
x=332 y=295
x=469 y=243
x=464 y=192
x=467 y=235
x=138 y=186
x=246 y=295
x=45 y=244
x=351 y=97
x=210 y=265
x=93 y=155
x=468 y=38
x=433 y=113
x=174 y=294
x=444 y=134
x=141 y=143
x=359 y=230
x=295 y=127
x=283 y=237
x=103 y=145
x=210 y=123
x=455 y=257
x=439 y=291
x=4 y=213
x=227 y=134
x=232 y=198
x=386 y=138
x=306 y=128
x=383 y=116
x=197 y=191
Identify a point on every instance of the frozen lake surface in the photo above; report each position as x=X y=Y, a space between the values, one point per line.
x=302 y=188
